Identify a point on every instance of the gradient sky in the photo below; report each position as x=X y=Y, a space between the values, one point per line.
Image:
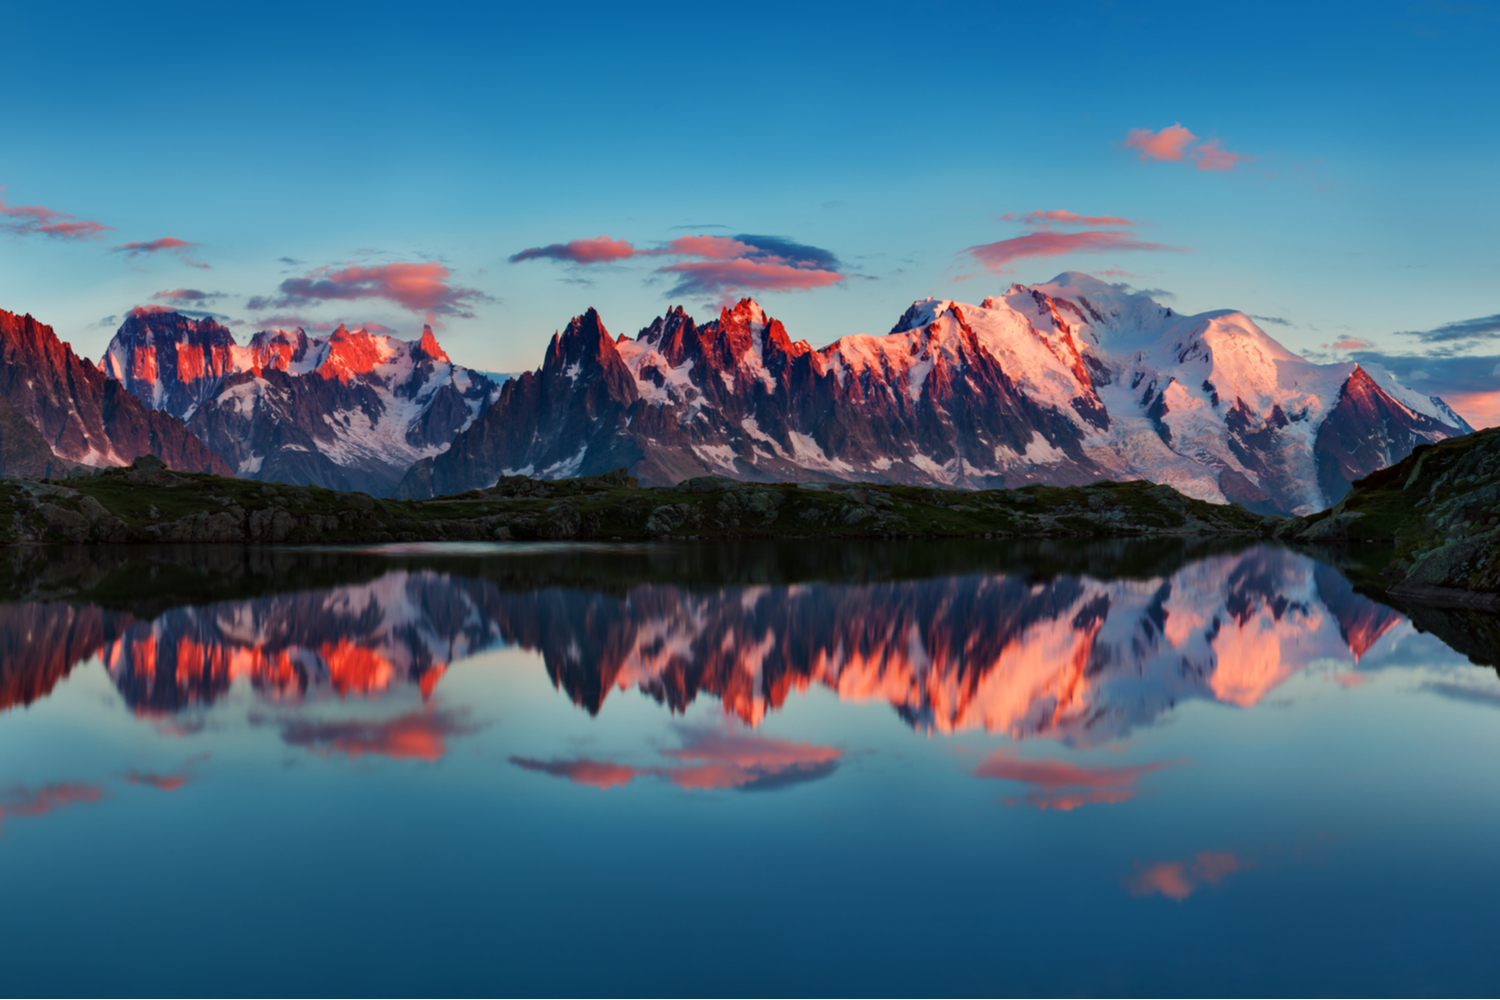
x=1329 y=169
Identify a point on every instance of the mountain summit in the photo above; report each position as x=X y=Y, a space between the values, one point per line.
x=351 y=410
x=1066 y=382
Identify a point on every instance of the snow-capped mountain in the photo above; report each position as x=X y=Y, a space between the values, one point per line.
x=78 y=413
x=351 y=410
x=1066 y=382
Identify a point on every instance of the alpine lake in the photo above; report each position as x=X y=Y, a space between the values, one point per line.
x=969 y=766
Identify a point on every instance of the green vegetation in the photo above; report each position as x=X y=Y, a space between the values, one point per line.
x=148 y=503
x=1434 y=519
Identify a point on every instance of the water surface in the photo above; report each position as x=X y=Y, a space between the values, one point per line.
x=928 y=767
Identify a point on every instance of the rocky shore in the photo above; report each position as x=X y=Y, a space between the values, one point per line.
x=148 y=503
x=1439 y=511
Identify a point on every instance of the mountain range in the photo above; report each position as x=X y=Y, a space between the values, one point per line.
x=1067 y=382
x=349 y=411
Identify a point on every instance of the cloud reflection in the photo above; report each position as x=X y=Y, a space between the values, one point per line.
x=22 y=801
x=1177 y=880
x=714 y=757
x=1062 y=785
x=418 y=735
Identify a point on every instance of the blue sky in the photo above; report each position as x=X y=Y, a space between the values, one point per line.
x=294 y=143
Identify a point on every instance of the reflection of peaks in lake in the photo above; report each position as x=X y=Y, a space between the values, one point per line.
x=1067 y=655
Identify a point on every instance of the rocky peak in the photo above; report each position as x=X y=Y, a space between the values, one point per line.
x=351 y=353
x=428 y=346
x=155 y=346
x=583 y=344
x=277 y=349
x=675 y=336
x=82 y=415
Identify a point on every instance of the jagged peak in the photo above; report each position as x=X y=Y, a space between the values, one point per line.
x=746 y=310
x=428 y=346
x=143 y=323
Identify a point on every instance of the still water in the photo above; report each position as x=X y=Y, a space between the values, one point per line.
x=903 y=768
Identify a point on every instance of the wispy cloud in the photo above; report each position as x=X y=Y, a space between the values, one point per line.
x=420 y=288
x=167 y=244
x=710 y=265
x=1175 y=144
x=599 y=250
x=38 y=220
x=1062 y=217
x=1480 y=328
x=1050 y=243
x=186 y=295
x=1213 y=156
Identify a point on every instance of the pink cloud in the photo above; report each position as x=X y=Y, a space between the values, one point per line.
x=1177 y=880
x=1169 y=144
x=1349 y=344
x=599 y=250
x=1174 y=143
x=710 y=247
x=1213 y=156
x=184 y=295
x=1062 y=785
x=1047 y=243
x=1064 y=218
x=712 y=276
x=40 y=220
x=716 y=264
x=169 y=244
x=421 y=288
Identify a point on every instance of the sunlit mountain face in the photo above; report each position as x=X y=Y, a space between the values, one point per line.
x=1075 y=657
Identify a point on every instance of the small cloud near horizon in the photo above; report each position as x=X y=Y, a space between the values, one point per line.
x=1479 y=328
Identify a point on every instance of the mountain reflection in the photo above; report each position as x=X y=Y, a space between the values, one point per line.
x=1067 y=656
